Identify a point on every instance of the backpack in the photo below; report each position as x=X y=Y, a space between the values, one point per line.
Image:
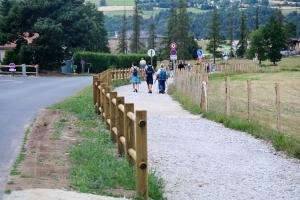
x=149 y=69
x=163 y=74
x=170 y=66
x=135 y=71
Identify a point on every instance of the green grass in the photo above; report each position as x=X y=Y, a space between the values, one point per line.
x=21 y=156
x=114 y=2
x=288 y=143
x=95 y=168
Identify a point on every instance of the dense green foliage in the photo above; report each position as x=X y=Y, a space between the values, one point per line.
x=57 y=29
x=215 y=38
x=136 y=45
x=103 y=61
x=268 y=41
x=199 y=21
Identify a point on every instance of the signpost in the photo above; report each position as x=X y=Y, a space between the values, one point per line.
x=151 y=53
x=74 y=67
x=12 y=67
x=89 y=66
x=200 y=55
x=173 y=52
x=82 y=65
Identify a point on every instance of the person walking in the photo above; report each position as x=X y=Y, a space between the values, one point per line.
x=149 y=71
x=181 y=65
x=207 y=67
x=213 y=67
x=188 y=67
x=142 y=63
x=134 y=76
x=171 y=68
x=162 y=77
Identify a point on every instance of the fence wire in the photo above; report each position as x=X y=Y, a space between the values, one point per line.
x=263 y=97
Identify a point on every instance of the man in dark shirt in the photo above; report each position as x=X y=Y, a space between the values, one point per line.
x=181 y=65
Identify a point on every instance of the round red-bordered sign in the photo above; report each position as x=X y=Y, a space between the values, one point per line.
x=12 y=65
x=173 y=45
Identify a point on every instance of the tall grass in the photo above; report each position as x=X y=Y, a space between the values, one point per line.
x=95 y=167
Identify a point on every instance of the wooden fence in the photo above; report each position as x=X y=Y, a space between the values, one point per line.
x=251 y=100
x=35 y=67
x=127 y=128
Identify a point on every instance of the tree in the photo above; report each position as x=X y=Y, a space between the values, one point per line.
x=122 y=45
x=257 y=45
x=290 y=32
x=5 y=7
x=181 y=35
x=265 y=2
x=152 y=36
x=97 y=17
x=256 y=18
x=55 y=29
x=136 y=45
x=274 y=37
x=102 y=2
x=214 y=35
x=170 y=32
x=231 y=35
x=243 y=36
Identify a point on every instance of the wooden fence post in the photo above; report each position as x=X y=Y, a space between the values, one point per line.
x=278 y=126
x=112 y=107
x=107 y=106
x=101 y=104
x=227 y=94
x=120 y=123
x=250 y=108
x=141 y=154
x=129 y=132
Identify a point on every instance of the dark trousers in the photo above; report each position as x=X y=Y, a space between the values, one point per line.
x=162 y=85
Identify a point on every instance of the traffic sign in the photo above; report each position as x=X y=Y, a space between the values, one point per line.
x=82 y=62
x=256 y=54
x=199 y=52
x=12 y=65
x=173 y=52
x=173 y=57
x=173 y=45
x=151 y=52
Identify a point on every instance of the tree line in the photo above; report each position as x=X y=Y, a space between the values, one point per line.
x=48 y=31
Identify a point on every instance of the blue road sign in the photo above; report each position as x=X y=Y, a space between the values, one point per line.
x=199 y=52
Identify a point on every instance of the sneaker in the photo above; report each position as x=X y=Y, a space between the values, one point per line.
x=163 y=92
x=150 y=91
x=160 y=91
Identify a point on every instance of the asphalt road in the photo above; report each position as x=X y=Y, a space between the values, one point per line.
x=20 y=100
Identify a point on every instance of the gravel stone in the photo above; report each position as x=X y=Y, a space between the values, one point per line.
x=202 y=159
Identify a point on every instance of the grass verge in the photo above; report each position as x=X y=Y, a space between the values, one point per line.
x=95 y=167
x=281 y=142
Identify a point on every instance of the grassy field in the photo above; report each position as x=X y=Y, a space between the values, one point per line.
x=263 y=122
x=115 y=2
x=146 y=14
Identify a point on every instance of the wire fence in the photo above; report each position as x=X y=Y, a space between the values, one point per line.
x=269 y=98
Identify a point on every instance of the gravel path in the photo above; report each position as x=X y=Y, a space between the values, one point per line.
x=201 y=159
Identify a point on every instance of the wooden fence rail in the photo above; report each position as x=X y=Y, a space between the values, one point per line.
x=25 y=72
x=127 y=128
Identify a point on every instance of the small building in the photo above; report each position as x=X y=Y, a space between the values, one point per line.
x=144 y=36
x=4 y=48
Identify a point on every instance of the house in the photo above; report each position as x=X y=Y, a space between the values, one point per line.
x=144 y=35
x=11 y=46
x=4 y=48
